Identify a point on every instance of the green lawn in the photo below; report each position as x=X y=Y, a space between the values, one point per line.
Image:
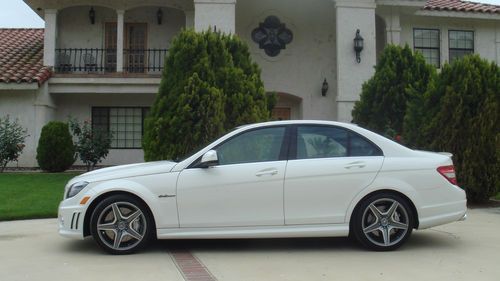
x=31 y=195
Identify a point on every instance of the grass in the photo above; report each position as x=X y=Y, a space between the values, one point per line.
x=497 y=197
x=31 y=195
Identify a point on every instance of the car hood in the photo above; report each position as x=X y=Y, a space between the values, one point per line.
x=126 y=171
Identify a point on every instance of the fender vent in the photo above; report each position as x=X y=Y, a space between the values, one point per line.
x=74 y=220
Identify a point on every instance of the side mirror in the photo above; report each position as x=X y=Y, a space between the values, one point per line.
x=209 y=159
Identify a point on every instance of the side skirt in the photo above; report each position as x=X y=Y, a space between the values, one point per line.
x=294 y=231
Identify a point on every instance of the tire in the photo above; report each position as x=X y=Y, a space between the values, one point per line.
x=383 y=222
x=122 y=224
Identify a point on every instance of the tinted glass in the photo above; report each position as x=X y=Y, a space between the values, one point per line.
x=260 y=145
x=321 y=142
x=328 y=142
x=362 y=147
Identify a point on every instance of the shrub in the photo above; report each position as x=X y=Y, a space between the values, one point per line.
x=461 y=114
x=12 y=137
x=209 y=86
x=92 y=146
x=55 y=151
x=400 y=75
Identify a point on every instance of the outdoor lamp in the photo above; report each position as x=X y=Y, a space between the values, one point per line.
x=358 y=46
x=92 y=15
x=324 y=88
x=159 y=16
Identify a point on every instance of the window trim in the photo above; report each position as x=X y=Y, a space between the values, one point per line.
x=284 y=152
x=293 y=142
x=429 y=48
x=461 y=49
x=143 y=116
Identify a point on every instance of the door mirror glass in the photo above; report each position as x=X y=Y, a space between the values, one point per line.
x=209 y=159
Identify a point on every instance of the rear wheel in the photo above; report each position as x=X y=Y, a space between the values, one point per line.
x=383 y=222
x=121 y=224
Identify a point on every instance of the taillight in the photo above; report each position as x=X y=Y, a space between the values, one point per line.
x=449 y=173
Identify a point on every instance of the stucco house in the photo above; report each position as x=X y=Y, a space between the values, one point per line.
x=101 y=60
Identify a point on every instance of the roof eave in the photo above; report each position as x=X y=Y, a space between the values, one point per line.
x=457 y=14
x=403 y=3
x=18 y=86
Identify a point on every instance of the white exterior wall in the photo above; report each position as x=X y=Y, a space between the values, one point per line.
x=32 y=109
x=484 y=33
x=75 y=30
x=79 y=106
x=351 y=75
x=219 y=14
x=301 y=68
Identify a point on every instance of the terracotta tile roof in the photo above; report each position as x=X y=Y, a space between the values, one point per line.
x=21 y=56
x=461 y=6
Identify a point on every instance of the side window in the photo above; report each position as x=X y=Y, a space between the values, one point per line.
x=361 y=147
x=321 y=142
x=328 y=142
x=261 y=145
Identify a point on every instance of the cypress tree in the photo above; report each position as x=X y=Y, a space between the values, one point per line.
x=400 y=76
x=209 y=86
x=461 y=114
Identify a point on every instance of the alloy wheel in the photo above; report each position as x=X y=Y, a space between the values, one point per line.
x=121 y=226
x=385 y=222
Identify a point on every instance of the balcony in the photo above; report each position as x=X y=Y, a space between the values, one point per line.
x=102 y=61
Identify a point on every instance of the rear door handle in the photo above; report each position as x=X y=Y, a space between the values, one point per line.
x=355 y=165
x=270 y=172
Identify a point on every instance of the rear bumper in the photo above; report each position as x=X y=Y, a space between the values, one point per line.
x=464 y=217
x=443 y=214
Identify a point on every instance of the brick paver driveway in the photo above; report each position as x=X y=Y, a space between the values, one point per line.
x=470 y=250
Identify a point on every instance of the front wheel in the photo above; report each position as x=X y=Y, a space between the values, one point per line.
x=121 y=224
x=383 y=222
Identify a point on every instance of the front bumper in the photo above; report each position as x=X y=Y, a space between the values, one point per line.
x=71 y=220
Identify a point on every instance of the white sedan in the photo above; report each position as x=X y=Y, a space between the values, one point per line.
x=269 y=180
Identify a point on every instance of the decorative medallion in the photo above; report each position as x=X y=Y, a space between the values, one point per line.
x=272 y=36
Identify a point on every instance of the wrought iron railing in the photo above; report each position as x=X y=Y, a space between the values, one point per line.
x=75 y=60
x=144 y=60
x=95 y=60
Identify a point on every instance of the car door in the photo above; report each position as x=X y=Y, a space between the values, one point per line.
x=244 y=189
x=329 y=165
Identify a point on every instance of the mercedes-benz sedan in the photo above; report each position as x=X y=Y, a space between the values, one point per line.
x=269 y=180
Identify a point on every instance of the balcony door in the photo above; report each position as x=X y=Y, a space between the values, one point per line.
x=135 y=47
x=135 y=38
x=110 y=47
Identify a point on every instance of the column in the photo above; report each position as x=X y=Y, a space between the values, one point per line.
x=49 y=50
x=497 y=43
x=215 y=14
x=393 y=26
x=189 y=19
x=351 y=16
x=119 y=39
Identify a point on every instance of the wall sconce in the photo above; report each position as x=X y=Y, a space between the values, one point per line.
x=92 y=15
x=358 y=46
x=324 y=88
x=159 y=16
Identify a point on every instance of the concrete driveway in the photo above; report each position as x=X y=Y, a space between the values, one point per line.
x=470 y=250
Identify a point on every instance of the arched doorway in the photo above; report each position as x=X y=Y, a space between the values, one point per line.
x=288 y=107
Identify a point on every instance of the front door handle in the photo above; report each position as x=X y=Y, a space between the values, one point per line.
x=358 y=164
x=270 y=172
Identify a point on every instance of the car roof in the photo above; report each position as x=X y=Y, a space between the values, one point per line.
x=298 y=122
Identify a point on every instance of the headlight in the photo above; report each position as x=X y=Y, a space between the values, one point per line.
x=75 y=188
